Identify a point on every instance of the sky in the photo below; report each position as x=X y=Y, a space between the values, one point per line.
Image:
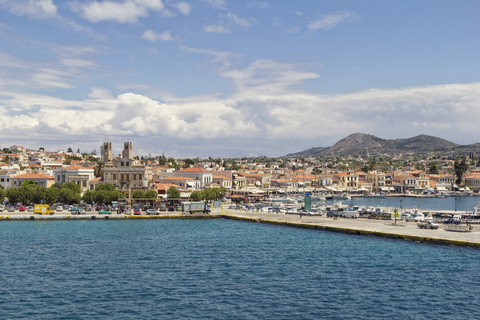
x=224 y=78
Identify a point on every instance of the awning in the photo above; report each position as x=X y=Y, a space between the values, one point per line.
x=190 y=184
x=441 y=189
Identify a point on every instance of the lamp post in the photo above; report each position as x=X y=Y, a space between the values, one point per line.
x=455 y=204
x=400 y=205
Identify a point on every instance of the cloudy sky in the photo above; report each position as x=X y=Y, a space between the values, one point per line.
x=226 y=78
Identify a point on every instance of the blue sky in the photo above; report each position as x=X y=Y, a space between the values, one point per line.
x=227 y=78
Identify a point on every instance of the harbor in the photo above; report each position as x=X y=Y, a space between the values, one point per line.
x=362 y=226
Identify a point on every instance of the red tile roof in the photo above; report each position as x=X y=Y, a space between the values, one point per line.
x=33 y=176
x=193 y=170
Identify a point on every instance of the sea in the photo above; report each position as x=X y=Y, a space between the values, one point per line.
x=224 y=269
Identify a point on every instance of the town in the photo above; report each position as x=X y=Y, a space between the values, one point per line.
x=241 y=179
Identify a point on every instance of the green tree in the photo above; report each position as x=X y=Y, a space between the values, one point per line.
x=460 y=168
x=432 y=169
x=72 y=186
x=99 y=169
x=162 y=160
x=151 y=194
x=2 y=194
x=197 y=195
x=173 y=193
x=105 y=187
x=138 y=194
x=13 y=195
x=28 y=182
x=235 y=167
x=188 y=163
x=69 y=149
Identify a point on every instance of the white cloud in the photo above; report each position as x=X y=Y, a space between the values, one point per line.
x=259 y=4
x=240 y=21
x=152 y=36
x=267 y=110
x=330 y=21
x=126 y=11
x=33 y=8
x=216 y=28
x=65 y=65
x=221 y=60
x=219 y=4
x=183 y=7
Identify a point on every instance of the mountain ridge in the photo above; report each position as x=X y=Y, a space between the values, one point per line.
x=365 y=143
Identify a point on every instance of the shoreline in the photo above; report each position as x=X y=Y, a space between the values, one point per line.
x=365 y=227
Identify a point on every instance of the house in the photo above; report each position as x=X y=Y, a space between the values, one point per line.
x=182 y=182
x=347 y=180
x=42 y=180
x=472 y=180
x=204 y=177
x=222 y=181
x=77 y=174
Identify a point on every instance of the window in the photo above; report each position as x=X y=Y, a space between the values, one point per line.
x=127 y=164
x=2 y=179
x=41 y=183
x=58 y=178
x=114 y=176
x=121 y=163
x=122 y=177
x=134 y=177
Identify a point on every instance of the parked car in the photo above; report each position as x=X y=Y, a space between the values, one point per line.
x=332 y=214
x=104 y=211
x=11 y=209
x=137 y=211
x=128 y=211
x=153 y=212
x=30 y=208
x=22 y=208
x=427 y=224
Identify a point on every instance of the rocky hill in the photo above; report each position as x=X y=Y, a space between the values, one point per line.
x=360 y=143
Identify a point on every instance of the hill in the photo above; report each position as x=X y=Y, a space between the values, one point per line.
x=360 y=143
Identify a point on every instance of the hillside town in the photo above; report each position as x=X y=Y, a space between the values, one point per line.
x=245 y=178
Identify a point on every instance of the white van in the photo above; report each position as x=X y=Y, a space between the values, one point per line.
x=350 y=214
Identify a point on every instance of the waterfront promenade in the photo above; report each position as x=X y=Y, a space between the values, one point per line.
x=361 y=226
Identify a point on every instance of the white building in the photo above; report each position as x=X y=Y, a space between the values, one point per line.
x=204 y=177
x=77 y=174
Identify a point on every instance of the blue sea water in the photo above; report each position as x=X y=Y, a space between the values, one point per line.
x=223 y=269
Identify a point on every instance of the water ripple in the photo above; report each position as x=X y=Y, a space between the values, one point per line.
x=218 y=269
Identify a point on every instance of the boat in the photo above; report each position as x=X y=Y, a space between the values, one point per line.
x=342 y=197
